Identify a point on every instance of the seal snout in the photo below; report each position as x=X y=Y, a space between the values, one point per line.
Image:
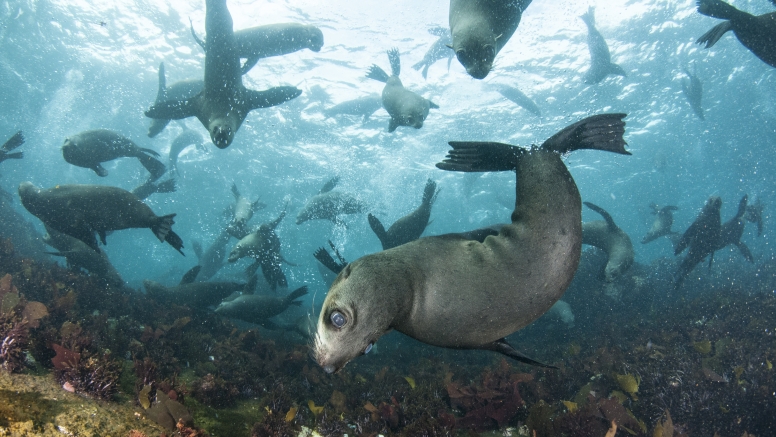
x=222 y=136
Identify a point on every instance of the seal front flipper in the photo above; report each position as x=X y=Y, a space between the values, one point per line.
x=712 y=36
x=271 y=97
x=249 y=63
x=15 y=141
x=196 y=38
x=607 y=218
x=155 y=167
x=191 y=275
x=745 y=251
x=173 y=109
x=502 y=347
x=328 y=261
x=395 y=61
x=378 y=229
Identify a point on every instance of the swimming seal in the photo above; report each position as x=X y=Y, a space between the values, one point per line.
x=405 y=107
x=264 y=246
x=243 y=212
x=516 y=96
x=454 y=292
x=754 y=214
x=185 y=139
x=480 y=29
x=89 y=149
x=607 y=236
x=194 y=294
x=439 y=50
x=701 y=238
x=258 y=309
x=664 y=219
x=80 y=256
x=82 y=210
x=271 y=40
x=756 y=32
x=411 y=226
x=329 y=204
x=224 y=102
x=692 y=87
x=150 y=187
x=179 y=91
x=15 y=141
x=601 y=64
x=731 y=232
x=363 y=106
x=211 y=259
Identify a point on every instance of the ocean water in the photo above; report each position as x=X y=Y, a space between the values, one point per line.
x=67 y=67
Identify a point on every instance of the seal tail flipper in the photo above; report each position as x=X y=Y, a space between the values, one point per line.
x=502 y=347
x=717 y=9
x=296 y=294
x=172 y=109
x=481 y=156
x=432 y=105
x=272 y=97
x=430 y=192
x=377 y=74
x=196 y=38
x=607 y=217
x=15 y=141
x=395 y=60
x=745 y=251
x=599 y=132
x=419 y=65
x=741 y=208
x=155 y=167
x=249 y=63
x=714 y=34
x=754 y=214
x=378 y=229
x=257 y=205
x=14 y=155
x=197 y=246
x=167 y=186
x=425 y=70
x=617 y=70
x=163 y=228
x=191 y=275
x=100 y=170
x=235 y=191
x=589 y=17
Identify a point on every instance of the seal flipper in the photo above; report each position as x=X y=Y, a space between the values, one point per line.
x=378 y=229
x=173 y=109
x=155 y=167
x=271 y=97
x=15 y=155
x=296 y=294
x=432 y=105
x=481 y=156
x=395 y=60
x=712 y=36
x=175 y=241
x=502 y=347
x=392 y=125
x=158 y=124
x=328 y=186
x=163 y=231
x=191 y=275
x=377 y=74
x=616 y=70
x=249 y=63
x=15 y=141
x=745 y=251
x=197 y=246
x=100 y=170
x=196 y=38
x=608 y=218
x=328 y=261
x=102 y=237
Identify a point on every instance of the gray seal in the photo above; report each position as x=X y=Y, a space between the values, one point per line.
x=480 y=29
x=607 y=236
x=455 y=292
x=264 y=246
x=755 y=32
x=692 y=87
x=405 y=107
x=411 y=226
x=89 y=149
x=601 y=64
x=700 y=239
x=258 y=309
x=439 y=50
x=329 y=204
x=15 y=141
x=731 y=231
x=664 y=220
x=83 y=210
x=80 y=256
x=224 y=102
x=211 y=259
x=179 y=91
x=271 y=40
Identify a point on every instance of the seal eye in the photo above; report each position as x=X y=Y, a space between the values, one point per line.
x=368 y=348
x=338 y=319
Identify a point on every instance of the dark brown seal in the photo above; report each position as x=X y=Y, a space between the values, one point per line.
x=756 y=32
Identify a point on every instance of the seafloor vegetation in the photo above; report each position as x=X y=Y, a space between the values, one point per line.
x=81 y=358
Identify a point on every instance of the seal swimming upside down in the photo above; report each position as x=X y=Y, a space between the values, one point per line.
x=756 y=32
x=82 y=210
x=601 y=64
x=607 y=236
x=179 y=91
x=224 y=102
x=328 y=204
x=89 y=149
x=409 y=227
x=456 y=292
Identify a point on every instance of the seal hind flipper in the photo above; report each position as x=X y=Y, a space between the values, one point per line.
x=717 y=9
x=271 y=97
x=158 y=124
x=155 y=167
x=599 y=132
x=395 y=61
x=197 y=246
x=378 y=229
x=100 y=170
x=745 y=251
x=432 y=105
x=175 y=241
x=296 y=294
x=480 y=156
x=15 y=141
x=14 y=155
x=714 y=34
x=329 y=185
x=754 y=214
x=328 y=261
x=173 y=109
x=102 y=235
x=196 y=38
x=377 y=74
x=163 y=226
x=191 y=275
x=502 y=347
x=607 y=217
x=249 y=63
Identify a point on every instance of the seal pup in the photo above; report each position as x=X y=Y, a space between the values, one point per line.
x=89 y=149
x=409 y=227
x=692 y=87
x=362 y=106
x=517 y=97
x=480 y=29
x=186 y=138
x=610 y=238
x=211 y=259
x=82 y=210
x=271 y=40
x=179 y=91
x=731 y=231
x=151 y=187
x=194 y=294
x=79 y=256
x=439 y=50
x=453 y=292
x=328 y=204
x=224 y=102
x=664 y=219
x=264 y=246
x=15 y=141
x=755 y=32
x=701 y=238
x=600 y=60
x=258 y=309
x=405 y=107
x=242 y=213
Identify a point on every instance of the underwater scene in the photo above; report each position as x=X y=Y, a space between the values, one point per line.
x=401 y=218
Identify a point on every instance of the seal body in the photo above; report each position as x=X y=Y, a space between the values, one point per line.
x=692 y=87
x=440 y=49
x=362 y=106
x=601 y=64
x=211 y=259
x=89 y=149
x=242 y=213
x=83 y=210
x=254 y=308
x=329 y=204
x=700 y=239
x=664 y=220
x=411 y=226
x=607 y=236
x=194 y=294
x=480 y=29
x=731 y=231
x=516 y=96
x=756 y=32
x=264 y=246
x=178 y=92
x=455 y=292
x=81 y=256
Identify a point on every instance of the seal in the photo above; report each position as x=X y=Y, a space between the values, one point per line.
x=211 y=259
x=258 y=309
x=664 y=220
x=82 y=210
x=194 y=294
x=150 y=187
x=329 y=204
x=224 y=102
x=186 y=138
x=692 y=87
x=601 y=64
x=754 y=214
x=243 y=212
x=80 y=256
x=405 y=107
x=439 y=50
x=89 y=149
x=700 y=239
x=755 y=32
x=179 y=91
x=15 y=141
x=480 y=29
x=607 y=236
x=362 y=106
x=516 y=96
x=731 y=231
x=454 y=292
x=271 y=40
x=411 y=226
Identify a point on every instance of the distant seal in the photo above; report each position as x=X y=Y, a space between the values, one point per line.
x=211 y=259
x=224 y=102
x=329 y=205
x=516 y=96
x=411 y=226
x=756 y=33
x=439 y=50
x=179 y=91
x=242 y=213
x=194 y=294
x=692 y=87
x=754 y=214
x=15 y=141
x=701 y=238
x=81 y=256
x=271 y=40
x=185 y=139
x=89 y=149
x=664 y=220
x=264 y=246
x=82 y=210
x=258 y=309
x=601 y=64
x=731 y=231
x=405 y=107
x=455 y=292
x=480 y=29
x=607 y=236
x=362 y=106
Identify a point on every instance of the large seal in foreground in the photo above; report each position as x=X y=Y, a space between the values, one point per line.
x=456 y=292
x=480 y=29
x=755 y=32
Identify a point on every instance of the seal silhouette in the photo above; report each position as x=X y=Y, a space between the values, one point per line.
x=601 y=64
x=755 y=32
x=607 y=236
x=455 y=292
